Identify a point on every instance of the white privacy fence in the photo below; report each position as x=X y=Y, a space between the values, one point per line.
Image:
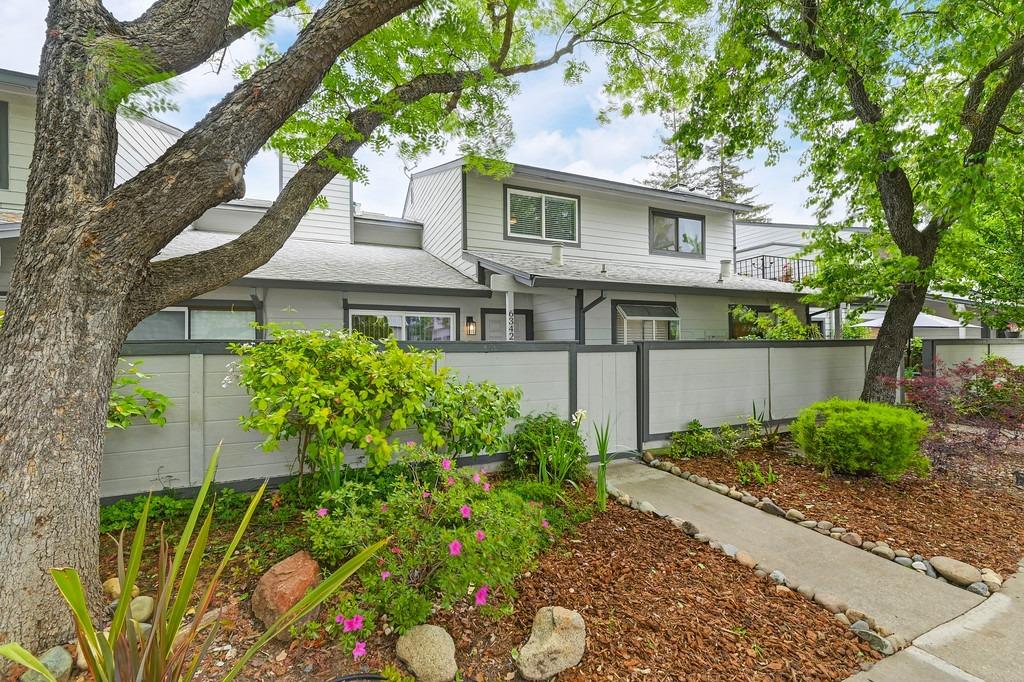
x=646 y=391
x=950 y=352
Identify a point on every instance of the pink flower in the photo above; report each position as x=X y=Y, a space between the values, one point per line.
x=358 y=651
x=356 y=622
x=339 y=618
x=451 y=480
x=410 y=443
x=465 y=511
x=384 y=575
x=395 y=549
x=476 y=477
x=384 y=508
x=369 y=438
x=426 y=494
x=455 y=548
x=544 y=523
x=481 y=595
x=480 y=535
x=487 y=487
x=322 y=512
x=446 y=464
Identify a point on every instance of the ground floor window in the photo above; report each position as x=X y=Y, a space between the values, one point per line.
x=739 y=329
x=404 y=325
x=646 y=322
x=199 y=322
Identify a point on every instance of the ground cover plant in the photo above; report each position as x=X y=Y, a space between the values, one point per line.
x=548 y=447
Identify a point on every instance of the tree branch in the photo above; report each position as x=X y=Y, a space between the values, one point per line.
x=977 y=86
x=205 y=166
x=177 y=279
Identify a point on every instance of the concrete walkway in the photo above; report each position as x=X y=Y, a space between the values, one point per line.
x=986 y=643
x=898 y=598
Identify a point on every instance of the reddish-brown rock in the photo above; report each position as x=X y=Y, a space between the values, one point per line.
x=282 y=586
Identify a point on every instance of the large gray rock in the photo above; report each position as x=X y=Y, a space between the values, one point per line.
x=429 y=653
x=956 y=572
x=885 y=551
x=877 y=642
x=142 y=608
x=851 y=538
x=768 y=506
x=557 y=643
x=57 y=660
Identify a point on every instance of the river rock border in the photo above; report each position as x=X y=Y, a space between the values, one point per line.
x=980 y=581
x=880 y=638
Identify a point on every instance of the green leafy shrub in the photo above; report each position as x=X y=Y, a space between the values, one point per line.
x=856 y=437
x=782 y=324
x=453 y=534
x=749 y=472
x=545 y=442
x=228 y=505
x=129 y=398
x=700 y=441
x=335 y=389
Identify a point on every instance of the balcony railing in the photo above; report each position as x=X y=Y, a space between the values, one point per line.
x=778 y=268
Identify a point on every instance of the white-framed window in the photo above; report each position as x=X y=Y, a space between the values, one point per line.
x=404 y=325
x=541 y=215
x=199 y=322
x=646 y=322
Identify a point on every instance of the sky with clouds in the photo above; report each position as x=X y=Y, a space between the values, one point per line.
x=555 y=125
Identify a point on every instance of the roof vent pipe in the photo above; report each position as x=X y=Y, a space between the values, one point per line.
x=556 y=254
x=725 y=271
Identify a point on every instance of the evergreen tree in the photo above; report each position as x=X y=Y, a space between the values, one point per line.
x=673 y=169
x=722 y=178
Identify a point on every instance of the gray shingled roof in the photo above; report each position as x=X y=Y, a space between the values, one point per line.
x=328 y=263
x=621 y=276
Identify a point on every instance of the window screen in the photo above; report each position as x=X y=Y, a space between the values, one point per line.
x=222 y=324
x=166 y=325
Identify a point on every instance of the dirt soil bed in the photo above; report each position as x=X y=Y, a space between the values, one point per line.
x=658 y=606
x=968 y=510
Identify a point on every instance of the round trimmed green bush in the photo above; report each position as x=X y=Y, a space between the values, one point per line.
x=856 y=437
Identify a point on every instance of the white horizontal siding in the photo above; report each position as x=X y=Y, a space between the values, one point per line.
x=613 y=228
x=436 y=201
x=21 y=114
x=332 y=224
x=554 y=315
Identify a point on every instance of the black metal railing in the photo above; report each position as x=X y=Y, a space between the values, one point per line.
x=778 y=268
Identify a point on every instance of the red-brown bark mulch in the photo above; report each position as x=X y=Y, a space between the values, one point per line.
x=657 y=604
x=969 y=510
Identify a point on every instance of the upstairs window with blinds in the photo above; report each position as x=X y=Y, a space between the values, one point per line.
x=538 y=215
x=646 y=322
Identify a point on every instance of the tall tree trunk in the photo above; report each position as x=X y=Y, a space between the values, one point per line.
x=894 y=335
x=54 y=385
x=64 y=325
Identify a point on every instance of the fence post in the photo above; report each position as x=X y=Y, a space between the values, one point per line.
x=927 y=356
x=574 y=388
x=641 y=394
x=196 y=419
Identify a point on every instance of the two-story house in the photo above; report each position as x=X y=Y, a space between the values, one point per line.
x=539 y=255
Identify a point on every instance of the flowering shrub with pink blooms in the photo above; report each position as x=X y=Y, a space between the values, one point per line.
x=456 y=537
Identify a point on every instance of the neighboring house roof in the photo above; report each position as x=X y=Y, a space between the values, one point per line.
x=796 y=226
x=923 y=320
x=312 y=264
x=573 y=273
x=599 y=184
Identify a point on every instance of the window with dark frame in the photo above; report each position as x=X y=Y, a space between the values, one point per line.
x=678 y=234
x=544 y=216
x=199 y=322
x=5 y=147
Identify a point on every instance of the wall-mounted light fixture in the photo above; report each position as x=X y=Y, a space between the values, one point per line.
x=470 y=326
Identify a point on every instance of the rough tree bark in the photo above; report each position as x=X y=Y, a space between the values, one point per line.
x=84 y=254
x=85 y=273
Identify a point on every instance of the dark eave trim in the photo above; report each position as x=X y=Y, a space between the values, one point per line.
x=349 y=286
